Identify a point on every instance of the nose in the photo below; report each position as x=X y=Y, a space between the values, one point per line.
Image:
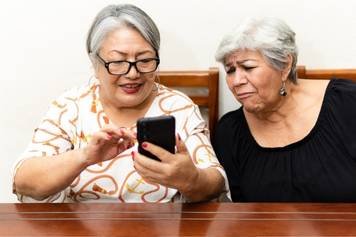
x=239 y=77
x=132 y=73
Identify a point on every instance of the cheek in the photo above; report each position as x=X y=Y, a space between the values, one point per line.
x=101 y=76
x=150 y=79
x=108 y=82
x=230 y=82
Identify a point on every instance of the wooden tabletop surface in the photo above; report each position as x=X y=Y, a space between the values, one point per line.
x=205 y=219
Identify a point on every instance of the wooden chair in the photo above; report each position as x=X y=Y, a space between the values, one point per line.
x=201 y=86
x=305 y=73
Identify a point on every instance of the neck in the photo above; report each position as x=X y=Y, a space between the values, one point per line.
x=126 y=116
x=280 y=110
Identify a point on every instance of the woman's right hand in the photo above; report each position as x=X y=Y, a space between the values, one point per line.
x=106 y=144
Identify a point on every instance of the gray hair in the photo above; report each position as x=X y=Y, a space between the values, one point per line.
x=270 y=36
x=113 y=17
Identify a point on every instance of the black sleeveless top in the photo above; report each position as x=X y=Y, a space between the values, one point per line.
x=319 y=168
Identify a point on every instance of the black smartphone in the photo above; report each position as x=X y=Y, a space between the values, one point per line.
x=158 y=130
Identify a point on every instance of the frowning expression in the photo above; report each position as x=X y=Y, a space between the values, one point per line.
x=254 y=83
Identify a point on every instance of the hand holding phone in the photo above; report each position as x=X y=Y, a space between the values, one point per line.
x=159 y=131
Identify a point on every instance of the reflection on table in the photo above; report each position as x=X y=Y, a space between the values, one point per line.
x=205 y=219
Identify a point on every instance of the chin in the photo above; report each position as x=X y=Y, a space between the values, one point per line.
x=253 y=108
x=134 y=101
x=249 y=109
x=130 y=103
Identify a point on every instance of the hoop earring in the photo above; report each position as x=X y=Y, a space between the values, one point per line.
x=282 y=91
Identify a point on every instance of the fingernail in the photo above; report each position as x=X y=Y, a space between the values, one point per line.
x=144 y=145
x=133 y=155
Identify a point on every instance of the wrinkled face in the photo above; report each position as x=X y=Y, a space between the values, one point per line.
x=133 y=88
x=254 y=83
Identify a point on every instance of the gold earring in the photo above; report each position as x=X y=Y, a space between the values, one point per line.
x=93 y=102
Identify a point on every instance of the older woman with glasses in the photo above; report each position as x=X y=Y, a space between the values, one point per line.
x=85 y=149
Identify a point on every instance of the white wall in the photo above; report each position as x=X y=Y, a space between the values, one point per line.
x=42 y=49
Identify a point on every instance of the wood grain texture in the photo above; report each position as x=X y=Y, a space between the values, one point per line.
x=199 y=79
x=205 y=219
x=323 y=74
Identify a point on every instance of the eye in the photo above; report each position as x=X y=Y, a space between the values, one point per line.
x=248 y=68
x=146 y=60
x=230 y=70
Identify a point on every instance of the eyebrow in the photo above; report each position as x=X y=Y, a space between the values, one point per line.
x=140 y=53
x=240 y=62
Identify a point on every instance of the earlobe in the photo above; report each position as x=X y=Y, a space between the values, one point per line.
x=96 y=74
x=96 y=70
x=288 y=68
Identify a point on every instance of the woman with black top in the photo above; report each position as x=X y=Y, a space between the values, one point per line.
x=292 y=140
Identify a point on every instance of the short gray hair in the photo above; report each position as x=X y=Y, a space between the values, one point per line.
x=113 y=17
x=272 y=37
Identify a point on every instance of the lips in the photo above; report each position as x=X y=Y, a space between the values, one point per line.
x=131 y=88
x=244 y=95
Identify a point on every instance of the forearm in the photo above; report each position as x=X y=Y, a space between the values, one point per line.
x=40 y=177
x=206 y=185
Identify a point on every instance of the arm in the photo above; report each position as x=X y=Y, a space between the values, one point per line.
x=40 y=177
x=208 y=184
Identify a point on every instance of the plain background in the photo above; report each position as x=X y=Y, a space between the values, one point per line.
x=42 y=50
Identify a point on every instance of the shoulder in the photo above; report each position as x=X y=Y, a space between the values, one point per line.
x=76 y=94
x=72 y=100
x=230 y=123
x=232 y=117
x=167 y=91
x=172 y=96
x=340 y=101
x=326 y=91
x=338 y=85
x=340 y=97
x=307 y=88
x=341 y=92
x=230 y=129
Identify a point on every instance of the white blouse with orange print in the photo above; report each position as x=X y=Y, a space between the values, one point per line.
x=78 y=113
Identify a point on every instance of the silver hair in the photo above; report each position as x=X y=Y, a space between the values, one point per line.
x=113 y=17
x=272 y=37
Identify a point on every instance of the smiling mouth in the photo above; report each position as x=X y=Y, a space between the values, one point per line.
x=131 y=86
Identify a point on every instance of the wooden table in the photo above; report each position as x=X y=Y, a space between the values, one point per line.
x=206 y=219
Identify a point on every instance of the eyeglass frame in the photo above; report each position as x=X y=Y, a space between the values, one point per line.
x=107 y=64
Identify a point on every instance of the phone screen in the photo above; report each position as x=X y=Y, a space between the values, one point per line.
x=158 y=130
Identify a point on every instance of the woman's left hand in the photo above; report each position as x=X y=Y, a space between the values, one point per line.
x=175 y=170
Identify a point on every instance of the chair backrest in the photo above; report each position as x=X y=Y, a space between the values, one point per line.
x=202 y=86
x=316 y=74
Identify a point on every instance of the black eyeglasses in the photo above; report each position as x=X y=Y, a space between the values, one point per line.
x=123 y=67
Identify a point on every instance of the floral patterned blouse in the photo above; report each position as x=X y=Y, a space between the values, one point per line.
x=78 y=113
